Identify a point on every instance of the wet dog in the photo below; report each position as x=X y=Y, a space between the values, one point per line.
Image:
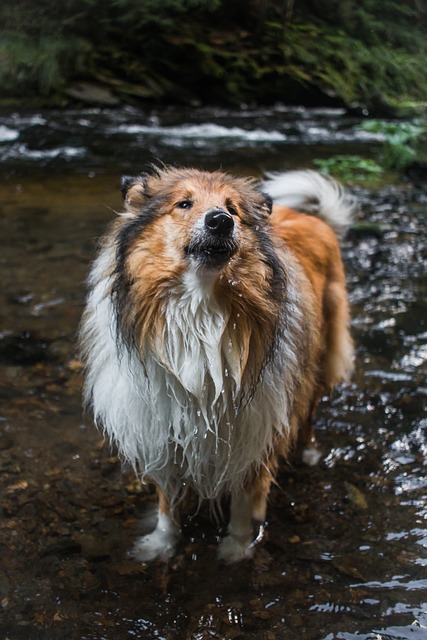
x=214 y=323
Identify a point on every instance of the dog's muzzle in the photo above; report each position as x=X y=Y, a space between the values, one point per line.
x=215 y=240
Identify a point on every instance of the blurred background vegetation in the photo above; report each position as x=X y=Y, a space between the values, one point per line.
x=366 y=53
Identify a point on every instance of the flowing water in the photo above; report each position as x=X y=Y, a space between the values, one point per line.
x=344 y=556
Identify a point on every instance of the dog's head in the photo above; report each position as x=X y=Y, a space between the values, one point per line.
x=185 y=216
x=181 y=223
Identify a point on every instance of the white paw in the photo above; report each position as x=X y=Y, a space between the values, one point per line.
x=311 y=456
x=232 y=550
x=154 y=545
x=160 y=543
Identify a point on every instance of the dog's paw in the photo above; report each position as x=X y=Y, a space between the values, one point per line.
x=311 y=456
x=232 y=550
x=155 y=545
x=160 y=543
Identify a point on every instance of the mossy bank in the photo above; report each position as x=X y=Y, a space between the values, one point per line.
x=366 y=54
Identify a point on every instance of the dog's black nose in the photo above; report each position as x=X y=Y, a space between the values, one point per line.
x=219 y=222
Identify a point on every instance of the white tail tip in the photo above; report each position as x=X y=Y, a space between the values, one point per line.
x=310 y=192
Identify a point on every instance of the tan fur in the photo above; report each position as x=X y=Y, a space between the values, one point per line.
x=316 y=247
x=156 y=258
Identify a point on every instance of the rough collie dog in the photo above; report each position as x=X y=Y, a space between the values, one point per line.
x=214 y=323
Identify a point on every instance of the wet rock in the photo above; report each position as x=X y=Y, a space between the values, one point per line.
x=366 y=230
x=92 y=94
x=4 y=585
x=94 y=546
x=6 y=442
x=128 y=568
x=63 y=547
x=9 y=464
x=74 y=365
x=23 y=349
x=350 y=566
x=20 y=485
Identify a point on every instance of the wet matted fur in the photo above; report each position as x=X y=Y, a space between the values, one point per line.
x=214 y=322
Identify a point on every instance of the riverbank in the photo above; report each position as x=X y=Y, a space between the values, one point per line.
x=314 y=52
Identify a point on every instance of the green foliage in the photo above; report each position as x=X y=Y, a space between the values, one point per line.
x=37 y=64
x=402 y=141
x=216 y=50
x=137 y=15
x=350 y=169
x=403 y=144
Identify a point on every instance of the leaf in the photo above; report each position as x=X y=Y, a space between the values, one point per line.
x=356 y=497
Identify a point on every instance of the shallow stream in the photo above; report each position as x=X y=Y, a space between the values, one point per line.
x=345 y=550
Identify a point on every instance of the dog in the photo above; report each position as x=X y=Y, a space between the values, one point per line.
x=214 y=323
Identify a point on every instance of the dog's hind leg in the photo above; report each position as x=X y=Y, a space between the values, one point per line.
x=339 y=354
x=336 y=364
x=161 y=542
x=307 y=448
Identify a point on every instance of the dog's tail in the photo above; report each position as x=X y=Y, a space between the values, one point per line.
x=312 y=193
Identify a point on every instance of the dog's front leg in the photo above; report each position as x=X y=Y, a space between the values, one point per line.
x=247 y=508
x=161 y=542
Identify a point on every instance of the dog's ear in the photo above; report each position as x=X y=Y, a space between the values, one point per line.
x=125 y=184
x=267 y=205
x=133 y=189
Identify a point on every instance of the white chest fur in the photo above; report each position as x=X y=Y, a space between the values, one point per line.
x=179 y=415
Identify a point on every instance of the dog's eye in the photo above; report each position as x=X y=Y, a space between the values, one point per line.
x=231 y=208
x=184 y=204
